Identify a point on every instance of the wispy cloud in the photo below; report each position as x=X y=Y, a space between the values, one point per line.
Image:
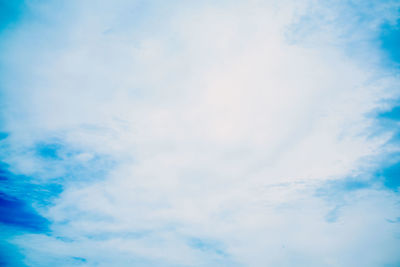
x=244 y=133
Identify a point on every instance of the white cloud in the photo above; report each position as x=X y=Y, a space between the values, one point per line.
x=218 y=128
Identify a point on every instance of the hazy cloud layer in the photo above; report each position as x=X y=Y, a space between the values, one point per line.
x=187 y=133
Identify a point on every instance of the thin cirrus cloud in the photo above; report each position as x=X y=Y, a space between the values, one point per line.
x=237 y=133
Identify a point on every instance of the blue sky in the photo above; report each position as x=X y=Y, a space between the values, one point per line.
x=196 y=133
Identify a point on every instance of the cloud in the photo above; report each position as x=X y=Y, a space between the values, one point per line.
x=202 y=134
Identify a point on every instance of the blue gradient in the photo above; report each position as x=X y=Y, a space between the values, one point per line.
x=16 y=212
x=10 y=13
x=391 y=176
x=10 y=256
x=393 y=115
x=390 y=41
x=17 y=195
x=49 y=151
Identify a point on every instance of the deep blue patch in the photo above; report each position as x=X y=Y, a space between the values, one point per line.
x=17 y=213
x=390 y=176
x=10 y=12
x=3 y=174
x=23 y=188
x=389 y=173
x=393 y=114
x=10 y=256
x=390 y=41
x=3 y=135
x=49 y=151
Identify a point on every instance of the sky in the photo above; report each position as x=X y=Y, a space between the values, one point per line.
x=199 y=133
